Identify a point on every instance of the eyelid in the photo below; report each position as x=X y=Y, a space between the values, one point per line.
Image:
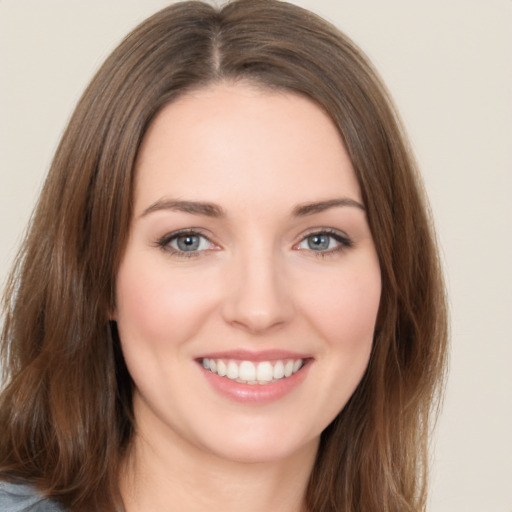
x=164 y=242
x=343 y=240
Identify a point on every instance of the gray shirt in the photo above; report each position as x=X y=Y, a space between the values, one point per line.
x=24 y=498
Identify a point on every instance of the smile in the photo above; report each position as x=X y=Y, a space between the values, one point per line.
x=247 y=372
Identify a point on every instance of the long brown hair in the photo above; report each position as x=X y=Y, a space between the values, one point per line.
x=65 y=412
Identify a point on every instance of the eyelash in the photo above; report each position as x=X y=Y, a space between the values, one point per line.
x=342 y=240
x=164 y=243
x=343 y=243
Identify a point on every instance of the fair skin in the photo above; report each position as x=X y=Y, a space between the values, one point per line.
x=249 y=252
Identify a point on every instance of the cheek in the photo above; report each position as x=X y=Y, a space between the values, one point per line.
x=154 y=304
x=344 y=308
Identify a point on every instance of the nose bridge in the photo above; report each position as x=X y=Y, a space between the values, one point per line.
x=258 y=297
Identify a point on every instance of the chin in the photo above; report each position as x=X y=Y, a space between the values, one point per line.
x=259 y=445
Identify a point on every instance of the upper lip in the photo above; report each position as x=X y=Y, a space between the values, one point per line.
x=254 y=355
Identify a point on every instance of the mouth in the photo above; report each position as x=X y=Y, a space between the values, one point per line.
x=253 y=373
x=255 y=377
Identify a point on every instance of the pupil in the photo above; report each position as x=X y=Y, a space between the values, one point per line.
x=318 y=242
x=188 y=242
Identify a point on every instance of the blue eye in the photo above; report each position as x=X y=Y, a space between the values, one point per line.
x=185 y=243
x=320 y=242
x=324 y=242
x=188 y=242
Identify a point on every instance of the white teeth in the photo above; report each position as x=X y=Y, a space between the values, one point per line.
x=264 y=372
x=279 y=370
x=288 y=368
x=221 y=368
x=232 y=372
x=248 y=372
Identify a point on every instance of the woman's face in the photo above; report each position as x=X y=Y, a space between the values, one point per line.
x=249 y=289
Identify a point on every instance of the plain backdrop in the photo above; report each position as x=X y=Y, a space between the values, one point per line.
x=448 y=66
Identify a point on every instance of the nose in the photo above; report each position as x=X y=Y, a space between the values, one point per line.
x=258 y=298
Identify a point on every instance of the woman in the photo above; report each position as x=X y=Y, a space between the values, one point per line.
x=230 y=294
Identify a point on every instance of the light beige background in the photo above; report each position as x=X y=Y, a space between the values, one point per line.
x=448 y=65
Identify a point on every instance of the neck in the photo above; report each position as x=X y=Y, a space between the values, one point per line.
x=171 y=476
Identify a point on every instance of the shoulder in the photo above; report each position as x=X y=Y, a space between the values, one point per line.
x=24 y=498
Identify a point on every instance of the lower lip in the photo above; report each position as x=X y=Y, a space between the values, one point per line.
x=255 y=393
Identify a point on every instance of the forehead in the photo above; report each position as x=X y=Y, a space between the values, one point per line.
x=239 y=141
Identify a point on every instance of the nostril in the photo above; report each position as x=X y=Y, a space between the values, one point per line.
x=257 y=318
x=257 y=297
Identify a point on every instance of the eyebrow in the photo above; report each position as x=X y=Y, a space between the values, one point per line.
x=215 y=211
x=303 y=210
x=193 y=207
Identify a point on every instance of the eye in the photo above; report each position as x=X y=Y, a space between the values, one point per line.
x=185 y=243
x=189 y=242
x=324 y=242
